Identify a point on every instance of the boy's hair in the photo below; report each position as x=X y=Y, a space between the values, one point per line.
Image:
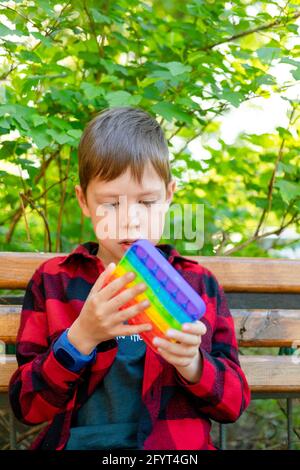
x=120 y=137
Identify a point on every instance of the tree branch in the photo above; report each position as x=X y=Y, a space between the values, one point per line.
x=41 y=213
x=272 y=180
x=254 y=238
x=200 y=132
x=93 y=28
x=278 y=22
x=61 y=206
x=48 y=33
x=6 y=7
x=52 y=27
x=18 y=213
x=25 y=219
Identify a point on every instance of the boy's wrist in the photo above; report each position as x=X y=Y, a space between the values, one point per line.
x=77 y=339
x=192 y=373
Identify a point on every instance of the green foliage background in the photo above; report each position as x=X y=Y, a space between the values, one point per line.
x=187 y=63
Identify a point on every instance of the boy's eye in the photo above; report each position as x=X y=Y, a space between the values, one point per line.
x=148 y=203
x=110 y=204
x=114 y=204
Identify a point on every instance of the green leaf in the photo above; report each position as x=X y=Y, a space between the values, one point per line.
x=284 y=133
x=5 y=31
x=4 y=123
x=288 y=60
x=37 y=120
x=75 y=133
x=287 y=168
x=265 y=79
x=62 y=124
x=99 y=18
x=60 y=138
x=288 y=190
x=122 y=98
x=170 y=111
x=7 y=149
x=234 y=97
x=175 y=68
x=91 y=91
x=40 y=137
x=267 y=54
x=21 y=122
x=296 y=73
x=30 y=56
x=296 y=63
x=293 y=28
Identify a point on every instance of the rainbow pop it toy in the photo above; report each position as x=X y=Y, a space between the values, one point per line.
x=172 y=300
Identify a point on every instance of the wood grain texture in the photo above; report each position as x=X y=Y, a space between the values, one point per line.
x=234 y=274
x=9 y=322
x=16 y=268
x=272 y=373
x=254 y=274
x=267 y=328
x=264 y=373
x=8 y=364
x=253 y=327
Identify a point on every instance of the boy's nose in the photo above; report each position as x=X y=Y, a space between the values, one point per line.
x=129 y=218
x=132 y=222
x=131 y=215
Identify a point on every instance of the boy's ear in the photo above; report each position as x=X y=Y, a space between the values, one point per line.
x=170 y=191
x=82 y=200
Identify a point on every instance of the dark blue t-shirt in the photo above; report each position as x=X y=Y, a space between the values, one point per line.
x=109 y=419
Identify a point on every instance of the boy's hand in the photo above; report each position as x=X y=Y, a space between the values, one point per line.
x=184 y=355
x=100 y=318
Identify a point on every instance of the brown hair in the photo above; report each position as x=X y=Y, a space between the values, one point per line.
x=120 y=137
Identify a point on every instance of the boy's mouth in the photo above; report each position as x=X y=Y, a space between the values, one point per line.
x=127 y=242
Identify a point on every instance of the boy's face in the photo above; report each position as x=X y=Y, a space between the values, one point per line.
x=123 y=209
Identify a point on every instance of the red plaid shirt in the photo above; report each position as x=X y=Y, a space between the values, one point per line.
x=175 y=414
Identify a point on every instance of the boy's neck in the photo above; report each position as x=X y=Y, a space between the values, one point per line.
x=106 y=257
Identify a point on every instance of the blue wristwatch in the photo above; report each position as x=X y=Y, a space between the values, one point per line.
x=69 y=356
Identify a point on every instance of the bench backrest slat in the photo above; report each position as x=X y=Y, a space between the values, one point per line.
x=267 y=328
x=265 y=373
x=234 y=274
x=272 y=373
x=254 y=328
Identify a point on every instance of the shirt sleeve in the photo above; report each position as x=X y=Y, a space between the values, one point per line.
x=41 y=386
x=222 y=392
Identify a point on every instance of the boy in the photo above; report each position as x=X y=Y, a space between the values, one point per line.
x=82 y=367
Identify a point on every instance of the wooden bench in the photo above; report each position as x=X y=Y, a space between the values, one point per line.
x=264 y=298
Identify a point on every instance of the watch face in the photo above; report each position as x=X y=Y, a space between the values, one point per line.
x=64 y=357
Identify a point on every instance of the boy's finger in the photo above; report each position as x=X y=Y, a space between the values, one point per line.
x=196 y=328
x=102 y=278
x=187 y=338
x=130 y=312
x=176 y=349
x=128 y=330
x=115 y=286
x=126 y=295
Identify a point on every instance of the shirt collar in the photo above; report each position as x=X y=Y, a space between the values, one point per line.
x=85 y=250
x=89 y=250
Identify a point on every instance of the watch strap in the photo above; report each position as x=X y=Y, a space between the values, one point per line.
x=69 y=356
